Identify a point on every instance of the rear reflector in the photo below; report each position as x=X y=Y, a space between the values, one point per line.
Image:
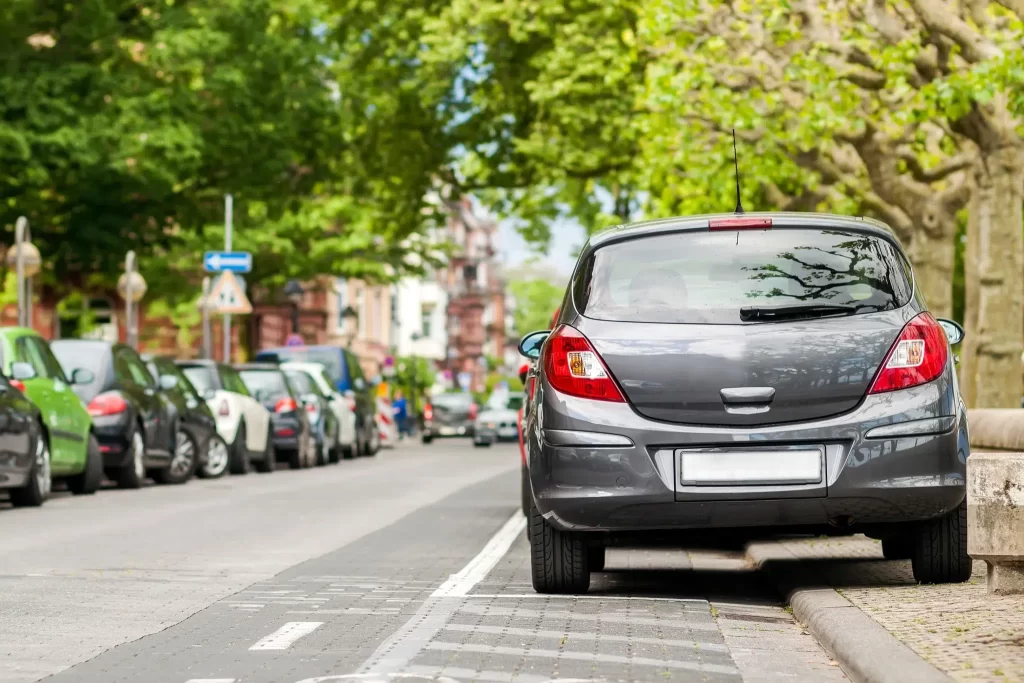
x=573 y=367
x=740 y=224
x=918 y=356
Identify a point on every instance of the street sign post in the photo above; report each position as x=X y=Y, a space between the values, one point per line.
x=294 y=340
x=227 y=298
x=233 y=261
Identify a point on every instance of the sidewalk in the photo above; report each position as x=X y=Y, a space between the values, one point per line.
x=960 y=629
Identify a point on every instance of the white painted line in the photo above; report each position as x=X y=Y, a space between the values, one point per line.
x=460 y=584
x=211 y=680
x=283 y=637
x=538 y=596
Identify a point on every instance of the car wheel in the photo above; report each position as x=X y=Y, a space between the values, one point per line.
x=217 y=459
x=89 y=480
x=898 y=547
x=427 y=439
x=595 y=558
x=334 y=454
x=940 y=549
x=183 y=461
x=558 y=560
x=373 y=445
x=481 y=444
x=240 y=451
x=323 y=452
x=37 y=490
x=348 y=452
x=269 y=461
x=131 y=475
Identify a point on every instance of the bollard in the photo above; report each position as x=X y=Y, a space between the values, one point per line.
x=995 y=518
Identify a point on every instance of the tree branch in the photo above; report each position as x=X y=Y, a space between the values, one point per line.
x=1015 y=6
x=943 y=170
x=939 y=17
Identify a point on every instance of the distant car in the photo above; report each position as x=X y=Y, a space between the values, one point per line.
x=318 y=409
x=293 y=437
x=74 y=452
x=242 y=421
x=198 y=425
x=497 y=421
x=342 y=408
x=738 y=376
x=450 y=414
x=135 y=423
x=24 y=453
x=346 y=375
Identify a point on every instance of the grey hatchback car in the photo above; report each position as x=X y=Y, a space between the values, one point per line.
x=732 y=376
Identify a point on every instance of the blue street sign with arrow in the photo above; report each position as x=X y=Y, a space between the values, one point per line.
x=233 y=261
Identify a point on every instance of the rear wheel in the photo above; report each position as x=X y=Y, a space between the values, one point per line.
x=427 y=438
x=37 y=490
x=132 y=475
x=334 y=455
x=269 y=461
x=481 y=444
x=559 y=561
x=88 y=480
x=373 y=444
x=940 y=549
x=183 y=460
x=898 y=547
x=240 y=451
x=217 y=459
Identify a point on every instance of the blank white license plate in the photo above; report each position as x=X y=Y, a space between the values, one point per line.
x=447 y=431
x=750 y=467
x=507 y=432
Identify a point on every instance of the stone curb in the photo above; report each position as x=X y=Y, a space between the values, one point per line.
x=865 y=650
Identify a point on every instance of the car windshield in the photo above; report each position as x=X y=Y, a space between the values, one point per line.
x=709 y=277
x=74 y=355
x=201 y=377
x=269 y=383
x=505 y=402
x=302 y=383
x=329 y=358
x=453 y=400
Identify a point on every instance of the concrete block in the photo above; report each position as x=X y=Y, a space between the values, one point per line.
x=995 y=517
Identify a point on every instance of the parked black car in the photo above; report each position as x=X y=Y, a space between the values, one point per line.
x=326 y=428
x=450 y=414
x=198 y=431
x=294 y=440
x=24 y=454
x=134 y=420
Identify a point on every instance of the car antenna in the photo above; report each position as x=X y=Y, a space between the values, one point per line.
x=736 y=165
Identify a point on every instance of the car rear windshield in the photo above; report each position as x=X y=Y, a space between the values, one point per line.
x=331 y=359
x=73 y=355
x=453 y=400
x=707 y=277
x=270 y=383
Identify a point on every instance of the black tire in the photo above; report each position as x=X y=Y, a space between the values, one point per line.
x=558 y=560
x=940 y=549
x=269 y=461
x=427 y=439
x=595 y=558
x=295 y=458
x=372 y=444
x=348 y=452
x=33 y=494
x=240 y=463
x=334 y=455
x=88 y=481
x=482 y=444
x=130 y=476
x=898 y=547
x=173 y=474
x=526 y=496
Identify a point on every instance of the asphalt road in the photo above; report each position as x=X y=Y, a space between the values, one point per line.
x=412 y=565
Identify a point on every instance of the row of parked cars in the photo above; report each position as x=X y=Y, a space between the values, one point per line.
x=77 y=411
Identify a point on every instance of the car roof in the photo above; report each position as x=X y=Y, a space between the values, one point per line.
x=257 y=366
x=197 y=361
x=786 y=219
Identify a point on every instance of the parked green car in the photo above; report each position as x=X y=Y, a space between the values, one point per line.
x=26 y=359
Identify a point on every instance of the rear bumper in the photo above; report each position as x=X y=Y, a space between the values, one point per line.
x=437 y=431
x=580 y=483
x=287 y=433
x=112 y=434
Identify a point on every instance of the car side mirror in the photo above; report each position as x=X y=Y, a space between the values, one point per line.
x=531 y=344
x=168 y=382
x=22 y=371
x=82 y=376
x=954 y=332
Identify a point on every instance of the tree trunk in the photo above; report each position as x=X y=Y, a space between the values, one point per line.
x=932 y=253
x=996 y=212
x=969 y=348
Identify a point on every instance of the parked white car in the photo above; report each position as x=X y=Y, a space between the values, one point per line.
x=242 y=421
x=387 y=424
x=342 y=407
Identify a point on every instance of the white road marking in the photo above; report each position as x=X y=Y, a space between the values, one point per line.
x=460 y=584
x=283 y=637
x=211 y=680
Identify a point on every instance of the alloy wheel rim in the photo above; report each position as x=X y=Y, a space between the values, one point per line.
x=43 y=479
x=216 y=456
x=138 y=454
x=184 y=454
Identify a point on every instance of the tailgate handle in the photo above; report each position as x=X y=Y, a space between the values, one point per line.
x=748 y=395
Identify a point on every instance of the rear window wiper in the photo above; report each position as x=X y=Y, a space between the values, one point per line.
x=794 y=311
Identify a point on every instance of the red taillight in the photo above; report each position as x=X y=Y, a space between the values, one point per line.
x=224 y=409
x=18 y=384
x=107 y=404
x=428 y=412
x=740 y=224
x=917 y=357
x=573 y=367
x=286 y=405
x=474 y=410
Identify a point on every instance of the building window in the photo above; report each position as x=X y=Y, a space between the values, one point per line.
x=378 y=315
x=427 y=321
x=360 y=297
x=341 y=290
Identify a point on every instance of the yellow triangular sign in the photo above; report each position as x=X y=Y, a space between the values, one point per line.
x=227 y=297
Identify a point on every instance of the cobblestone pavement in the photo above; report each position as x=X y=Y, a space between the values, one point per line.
x=961 y=629
x=441 y=593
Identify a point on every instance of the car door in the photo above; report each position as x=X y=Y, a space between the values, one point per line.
x=256 y=416
x=41 y=390
x=74 y=420
x=366 y=406
x=15 y=432
x=134 y=378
